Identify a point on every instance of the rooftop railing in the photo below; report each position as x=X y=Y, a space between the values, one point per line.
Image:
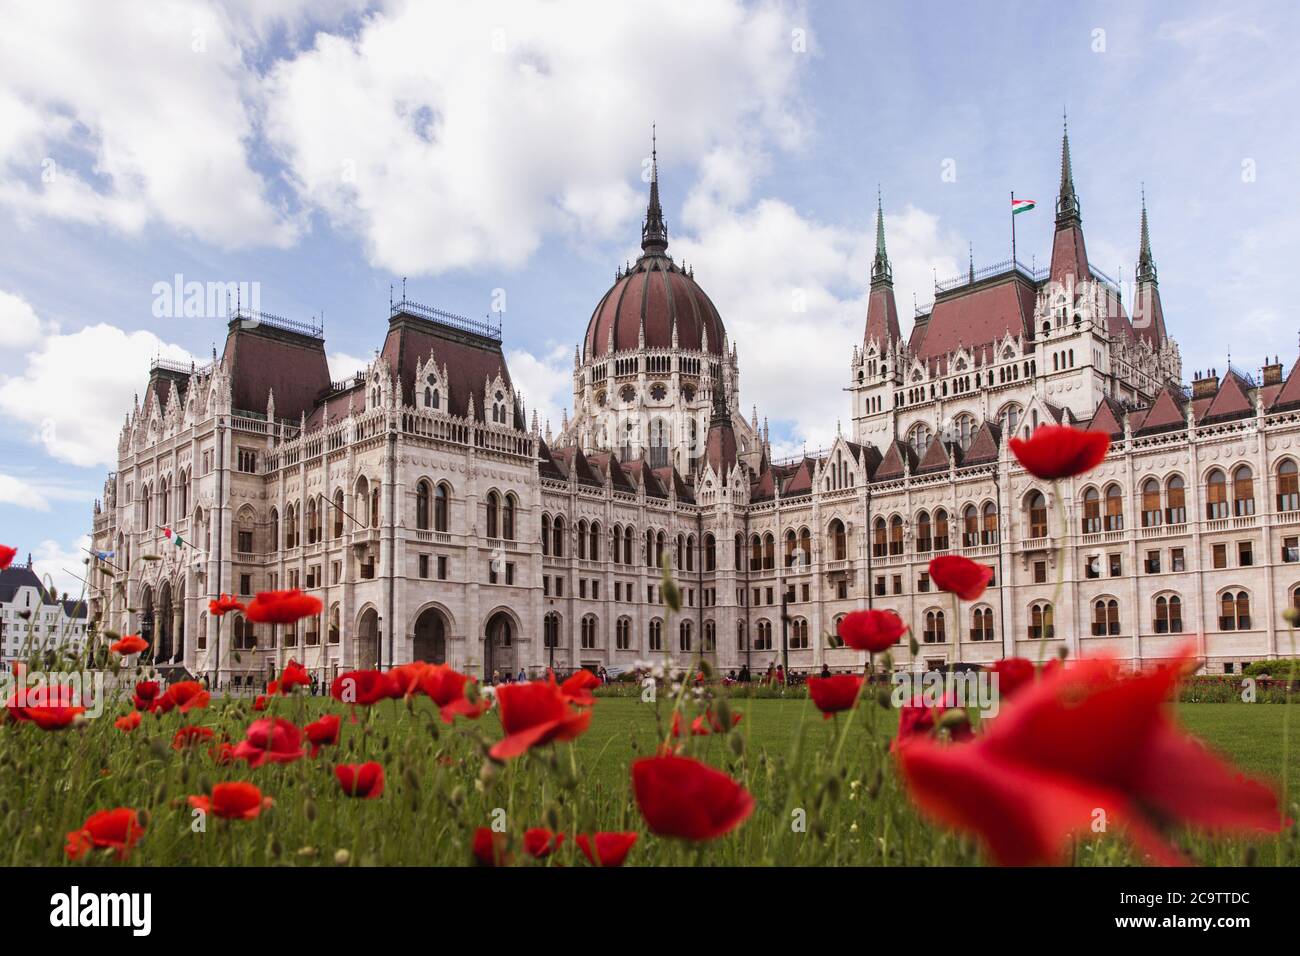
x=484 y=327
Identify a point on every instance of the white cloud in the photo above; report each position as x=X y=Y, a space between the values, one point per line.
x=76 y=388
x=452 y=136
x=546 y=383
x=63 y=566
x=793 y=295
x=19 y=324
x=116 y=115
x=36 y=493
x=344 y=366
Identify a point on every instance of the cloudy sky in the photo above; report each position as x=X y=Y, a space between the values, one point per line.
x=492 y=153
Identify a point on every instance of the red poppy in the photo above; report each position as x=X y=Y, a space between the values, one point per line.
x=282 y=607
x=680 y=797
x=578 y=688
x=128 y=723
x=365 y=780
x=1082 y=740
x=490 y=848
x=50 y=707
x=360 y=687
x=917 y=719
x=271 y=739
x=188 y=736
x=960 y=576
x=118 y=830
x=534 y=714
x=223 y=605
x=606 y=849
x=293 y=675
x=1059 y=451
x=233 y=801
x=707 y=723
x=446 y=688
x=831 y=695
x=146 y=695
x=1013 y=673
x=540 y=842
x=872 y=631
x=131 y=644
x=7 y=556
x=322 y=732
x=404 y=679
x=223 y=753
x=259 y=702
x=185 y=696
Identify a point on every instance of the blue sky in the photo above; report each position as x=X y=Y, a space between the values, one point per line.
x=325 y=150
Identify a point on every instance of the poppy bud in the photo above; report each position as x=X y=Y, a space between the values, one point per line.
x=913 y=645
x=883 y=699
x=160 y=794
x=307 y=851
x=724 y=712
x=273 y=847
x=953 y=718
x=487 y=773
x=309 y=810
x=553 y=817
x=833 y=788
x=433 y=730
x=457 y=796
x=159 y=747
x=736 y=742
x=887 y=662
x=205 y=784
x=341 y=857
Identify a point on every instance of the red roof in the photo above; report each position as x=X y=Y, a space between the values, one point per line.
x=1169 y=411
x=882 y=316
x=263 y=357
x=1232 y=399
x=656 y=291
x=1290 y=394
x=1069 y=256
x=977 y=316
x=472 y=360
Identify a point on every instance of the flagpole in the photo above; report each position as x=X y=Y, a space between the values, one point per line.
x=1013 y=230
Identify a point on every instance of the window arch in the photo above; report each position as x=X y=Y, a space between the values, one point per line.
x=1036 y=506
x=1243 y=491
x=1216 y=495
x=684 y=637
x=1175 y=500
x=710 y=637
x=588 y=632
x=981 y=628
x=963 y=431
x=940 y=529
x=1169 y=614
x=936 y=631
x=710 y=553
x=1042 y=621
x=919 y=438
x=508 y=517
x=1091 y=521
x=557 y=536
x=1288 y=486
x=551 y=629
x=442 y=507
x=493 y=514
x=623 y=634
x=799 y=634
x=1009 y=418
x=896 y=535
x=656 y=635
x=1151 y=513
x=546 y=534
x=580 y=532
x=989 y=532
x=763 y=639
x=1234 y=611
x=923 y=539
x=1114 y=508
x=627 y=545
x=839 y=540
x=593 y=541
x=1105 y=617
x=970 y=527
x=338 y=513
x=423 y=499
x=879 y=538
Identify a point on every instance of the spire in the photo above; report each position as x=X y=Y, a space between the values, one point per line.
x=881 y=273
x=720 y=444
x=1146 y=270
x=720 y=413
x=1067 y=203
x=654 y=234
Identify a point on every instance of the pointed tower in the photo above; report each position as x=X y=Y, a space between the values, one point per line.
x=720 y=446
x=882 y=313
x=1069 y=257
x=1148 y=316
x=654 y=233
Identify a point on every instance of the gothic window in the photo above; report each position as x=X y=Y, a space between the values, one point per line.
x=1114 y=509
x=879 y=539
x=546 y=534
x=1176 y=498
x=684 y=637
x=1169 y=615
x=1041 y=621
x=589 y=632
x=508 y=518
x=1288 y=487
x=1216 y=495
x=941 y=530
x=970 y=530
x=923 y=541
x=1150 y=503
x=551 y=630
x=989 y=534
x=799 y=634
x=656 y=635
x=593 y=541
x=981 y=628
x=557 y=543
x=935 y=628
x=1234 y=611
x=493 y=514
x=1037 y=508
x=1105 y=618
x=710 y=553
x=441 y=506
x=919 y=438
x=623 y=634
x=658 y=391
x=896 y=535
x=1243 y=491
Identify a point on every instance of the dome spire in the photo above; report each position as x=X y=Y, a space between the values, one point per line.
x=880 y=268
x=1067 y=203
x=654 y=233
x=1146 y=270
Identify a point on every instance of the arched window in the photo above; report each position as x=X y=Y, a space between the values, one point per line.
x=970 y=527
x=1105 y=617
x=763 y=639
x=1216 y=495
x=941 y=530
x=1176 y=501
x=1037 y=507
x=690 y=552
x=769 y=551
x=879 y=539
x=989 y=534
x=963 y=431
x=588 y=630
x=919 y=438
x=557 y=536
x=1041 y=621
x=508 y=518
x=1234 y=611
x=1114 y=508
x=275 y=529
x=740 y=636
x=923 y=540
x=338 y=513
x=896 y=535
x=442 y=507
x=546 y=534
x=1150 y=503
x=493 y=514
x=1091 y=522
x=805 y=547
x=1009 y=418
x=1288 y=487
x=755 y=553
x=623 y=634
x=799 y=634
x=981 y=628
x=935 y=629
x=581 y=534
x=627 y=545
x=839 y=541
x=1243 y=491
x=1169 y=615
x=374 y=507
x=684 y=637
x=593 y=541
x=422 y=502
x=332 y=635
x=551 y=630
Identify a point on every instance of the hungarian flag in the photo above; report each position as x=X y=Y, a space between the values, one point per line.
x=1021 y=205
x=175 y=538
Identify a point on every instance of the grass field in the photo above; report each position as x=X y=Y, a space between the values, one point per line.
x=438 y=791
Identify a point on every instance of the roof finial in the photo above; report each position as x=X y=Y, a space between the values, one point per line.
x=881 y=272
x=654 y=233
x=1067 y=203
x=970 y=252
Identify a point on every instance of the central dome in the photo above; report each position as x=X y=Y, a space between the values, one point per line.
x=652 y=298
x=654 y=295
